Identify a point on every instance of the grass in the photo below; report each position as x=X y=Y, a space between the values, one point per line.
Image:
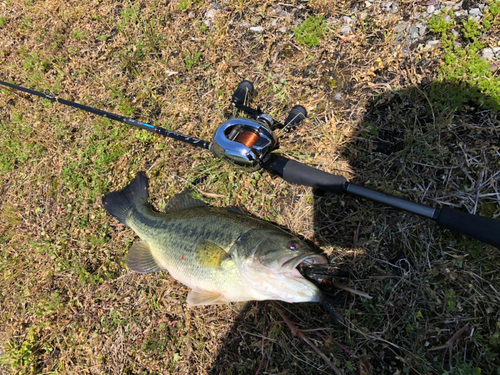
x=423 y=127
x=469 y=77
x=311 y=31
x=191 y=59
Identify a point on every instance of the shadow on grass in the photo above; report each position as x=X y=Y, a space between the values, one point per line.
x=435 y=144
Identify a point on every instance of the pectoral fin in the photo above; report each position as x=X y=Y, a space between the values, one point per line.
x=210 y=255
x=197 y=298
x=140 y=259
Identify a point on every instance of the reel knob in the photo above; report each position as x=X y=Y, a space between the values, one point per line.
x=242 y=93
x=243 y=142
x=297 y=114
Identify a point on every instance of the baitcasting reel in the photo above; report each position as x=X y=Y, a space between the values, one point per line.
x=247 y=142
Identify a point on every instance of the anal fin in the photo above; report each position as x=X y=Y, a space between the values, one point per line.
x=197 y=298
x=140 y=259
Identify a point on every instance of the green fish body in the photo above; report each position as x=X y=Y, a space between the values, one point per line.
x=223 y=255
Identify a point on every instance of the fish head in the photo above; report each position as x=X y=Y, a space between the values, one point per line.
x=283 y=252
x=269 y=263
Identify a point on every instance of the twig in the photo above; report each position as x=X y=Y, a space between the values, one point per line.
x=450 y=342
x=354 y=291
x=327 y=226
x=299 y=333
x=373 y=337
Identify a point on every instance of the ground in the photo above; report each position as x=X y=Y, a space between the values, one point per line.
x=402 y=97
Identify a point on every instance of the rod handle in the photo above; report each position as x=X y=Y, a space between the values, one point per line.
x=481 y=228
x=301 y=174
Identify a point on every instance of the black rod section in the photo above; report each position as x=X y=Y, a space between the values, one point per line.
x=482 y=228
x=112 y=116
x=479 y=227
x=403 y=204
x=301 y=174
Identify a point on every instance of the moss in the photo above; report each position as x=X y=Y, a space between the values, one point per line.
x=311 y=31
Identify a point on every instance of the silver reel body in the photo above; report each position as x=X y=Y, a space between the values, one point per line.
x=244 y=142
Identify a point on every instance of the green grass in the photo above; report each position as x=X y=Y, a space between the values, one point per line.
x=103 y=147
x=468 y=78
x=188 y=4
x=311 y=31
x=150 y=44
x=129 y=17
x=191 y=59
x=26 y=25
x=17 y=148
x=78 y=34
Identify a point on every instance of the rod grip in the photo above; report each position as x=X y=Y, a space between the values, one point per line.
x=479 y=227
x=301 y=174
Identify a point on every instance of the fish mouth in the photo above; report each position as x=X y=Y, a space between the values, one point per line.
x=309 y=259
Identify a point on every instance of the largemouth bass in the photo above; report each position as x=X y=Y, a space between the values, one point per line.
x=223 y=255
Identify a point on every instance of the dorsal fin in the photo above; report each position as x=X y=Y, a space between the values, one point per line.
x=237 y=210
x=183 y=201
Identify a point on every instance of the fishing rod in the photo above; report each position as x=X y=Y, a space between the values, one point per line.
x=155 y=129
x=249 y=143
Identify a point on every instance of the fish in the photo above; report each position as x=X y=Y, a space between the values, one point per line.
x=223 y=254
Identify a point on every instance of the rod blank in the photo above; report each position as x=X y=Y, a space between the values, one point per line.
x=112 y=116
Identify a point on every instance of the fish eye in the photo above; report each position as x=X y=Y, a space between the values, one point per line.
x=293 y=245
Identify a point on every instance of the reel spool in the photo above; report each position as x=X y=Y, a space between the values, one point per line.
x=244 y=142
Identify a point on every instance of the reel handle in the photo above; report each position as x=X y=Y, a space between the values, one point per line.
x=242 y=93
x=297 y=114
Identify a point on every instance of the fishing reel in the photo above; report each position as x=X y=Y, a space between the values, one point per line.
x=247 y=142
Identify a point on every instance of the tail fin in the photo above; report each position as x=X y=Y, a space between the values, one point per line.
x=121 y=203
